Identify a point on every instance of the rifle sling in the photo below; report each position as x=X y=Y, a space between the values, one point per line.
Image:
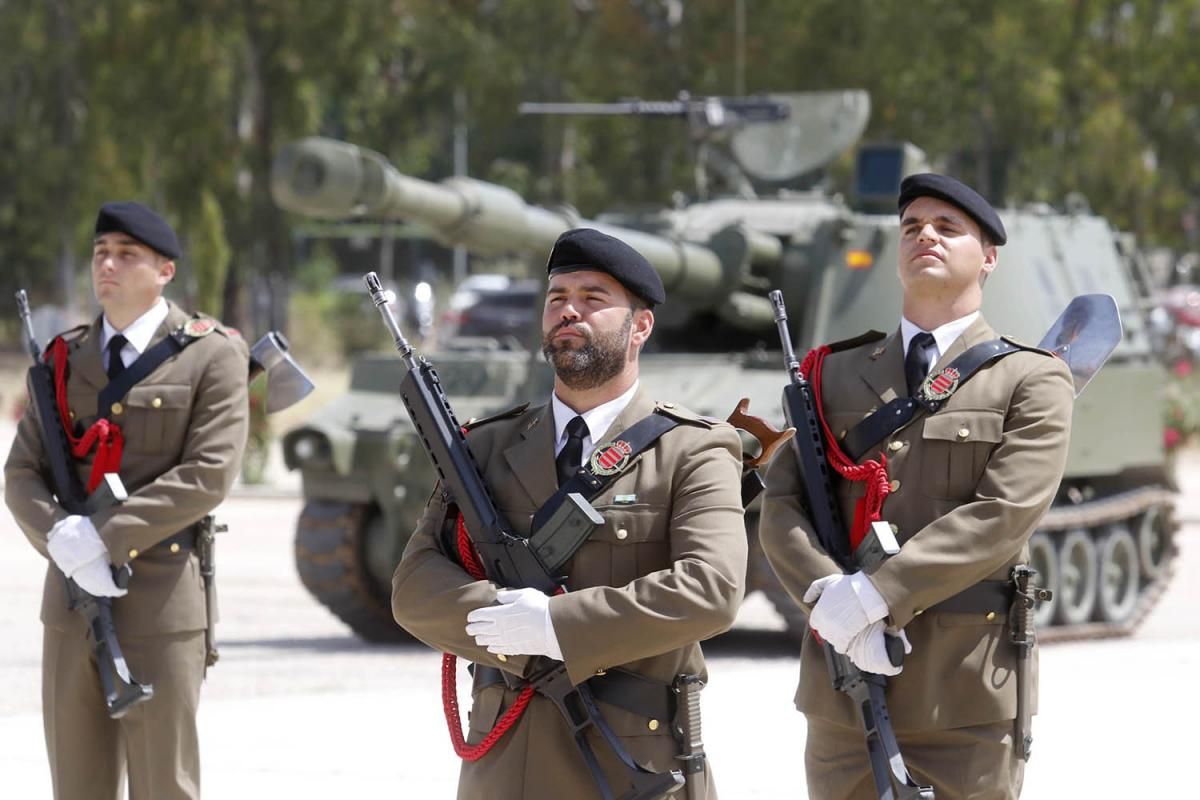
x=591 y=479
x=899 y=412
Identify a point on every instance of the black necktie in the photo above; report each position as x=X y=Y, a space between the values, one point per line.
x=916 y=363
x=571 y=456
x=115 y=365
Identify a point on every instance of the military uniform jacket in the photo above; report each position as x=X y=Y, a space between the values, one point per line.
x=663 y=572
x=185 y=429
x=969 y=485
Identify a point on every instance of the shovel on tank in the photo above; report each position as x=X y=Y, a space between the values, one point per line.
x=1085 y=335
x=287 y=384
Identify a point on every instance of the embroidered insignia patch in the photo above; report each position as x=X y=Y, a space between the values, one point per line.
x=940 y=385
x=199 y=327
x=611 y=459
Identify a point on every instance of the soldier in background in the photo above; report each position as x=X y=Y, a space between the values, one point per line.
x=664 y=571
x=183 y=425
x=968 y=484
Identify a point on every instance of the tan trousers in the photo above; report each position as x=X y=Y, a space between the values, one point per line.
x=155 y=744
x=977 y=762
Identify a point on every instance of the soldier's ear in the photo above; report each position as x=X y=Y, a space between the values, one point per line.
x=990 y=258
x=643 y=324
x=166 y=271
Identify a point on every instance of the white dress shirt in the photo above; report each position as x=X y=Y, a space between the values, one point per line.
x=137 y=334
x=598 y=420
x=943 y=336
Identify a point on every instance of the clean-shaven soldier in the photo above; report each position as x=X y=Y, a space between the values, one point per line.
x=967 y=485
x=664 y=571
x=183 y=426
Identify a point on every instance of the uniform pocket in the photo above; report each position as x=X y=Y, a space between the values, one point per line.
x=636 y=538
x=156 y=418
x=955 y=448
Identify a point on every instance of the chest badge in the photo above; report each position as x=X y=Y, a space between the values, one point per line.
x=611 y=459
x=199 y=327
x=940 y=385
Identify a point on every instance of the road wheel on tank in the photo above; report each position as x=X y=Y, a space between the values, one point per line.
x=331 y=546
x=1154 y=542
x=1077 y=577
x=759 y=574
x=1044 y=559
x=1119 y=576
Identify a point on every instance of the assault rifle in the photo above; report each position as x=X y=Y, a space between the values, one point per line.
x=512 y=560
x=892 y=780
x=121 y=691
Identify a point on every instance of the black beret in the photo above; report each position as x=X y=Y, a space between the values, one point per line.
x=956 y=193
x=139 y=222
x=589 y=249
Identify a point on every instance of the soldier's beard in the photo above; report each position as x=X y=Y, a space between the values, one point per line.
x=598 y=360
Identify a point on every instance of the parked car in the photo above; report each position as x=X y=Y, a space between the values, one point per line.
x=503 y=312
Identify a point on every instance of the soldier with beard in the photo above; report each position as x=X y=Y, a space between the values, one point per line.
x=664 y=571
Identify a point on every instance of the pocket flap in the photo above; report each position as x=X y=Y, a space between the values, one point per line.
x=976 y=425
x=161 y=396
x=630 y=524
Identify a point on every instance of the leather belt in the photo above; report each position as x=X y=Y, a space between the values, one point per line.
x=982 y=598
x=616 y=687
x=186 y=539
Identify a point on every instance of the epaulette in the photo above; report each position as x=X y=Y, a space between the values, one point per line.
x=70 y=336
x=1015 y=342
x=857 y=341
x=474 y=422
x=682 y=414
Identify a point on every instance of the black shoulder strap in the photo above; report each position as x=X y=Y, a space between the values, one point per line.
x=608 y=461
x=933 y=394
x=146 y=363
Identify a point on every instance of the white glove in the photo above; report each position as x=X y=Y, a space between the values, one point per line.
x=73 y=542
x=519 y=626
x=95 y=578
x=868 y=650
x=845 y=604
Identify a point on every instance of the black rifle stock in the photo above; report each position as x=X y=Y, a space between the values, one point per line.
x=892 y=779
x=508 y=559
x=121 y=691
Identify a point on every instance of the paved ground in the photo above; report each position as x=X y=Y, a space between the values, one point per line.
x=300 y=709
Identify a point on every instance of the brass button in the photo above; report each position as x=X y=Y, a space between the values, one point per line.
x=117 y=409
x=622 y=533
x=964 y=433
x=156 y=402
x=894 y=486
x=842 y=435
x=991 y=615
x=502 y=658
x=894 y=446
x=652 y=724
x=895 y=528
x=668 y=405
x=601 y=672
x=175 y=547
x=71 y=414
x=133 y=553
x=918 y=612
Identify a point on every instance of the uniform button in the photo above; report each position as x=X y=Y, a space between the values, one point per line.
x=895 y=528
x=894 y=446
x=668 y=405
x=894 y=486
x=601 y=672
x=175 y=547
x=622 y=533
x=964 y=433
x=652 y=724
x=133 y=553
x=842 y=435
x=156 y=402
x=991 y=615
x=117 y=409
x=71 y=414
x=918 y=612
x=502 y=658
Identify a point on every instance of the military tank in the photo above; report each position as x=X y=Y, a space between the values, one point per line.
x=1105 y=547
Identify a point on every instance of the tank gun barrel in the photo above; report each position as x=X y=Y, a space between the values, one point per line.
x=712 y=112
x=321 y=177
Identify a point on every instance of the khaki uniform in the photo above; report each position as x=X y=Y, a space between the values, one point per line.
x=969 y=484
x=662 y=573
x=185 y=429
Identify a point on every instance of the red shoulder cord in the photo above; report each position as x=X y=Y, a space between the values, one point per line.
x=104 y=434
x=469 y=752
x=870 y=507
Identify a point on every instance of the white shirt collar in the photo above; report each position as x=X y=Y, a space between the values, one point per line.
x=138 y=333
x=598 y=420
x=943 y=336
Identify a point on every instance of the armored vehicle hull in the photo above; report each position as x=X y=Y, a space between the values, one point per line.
x=1105 y=548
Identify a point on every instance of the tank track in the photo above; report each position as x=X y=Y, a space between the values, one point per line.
x=1121 y=507
x=331 y=562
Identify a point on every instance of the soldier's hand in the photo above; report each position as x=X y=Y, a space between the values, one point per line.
x=519 y=626
x=95 y=578
x=845 y=604
x=868 y=650
x=73 y=542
